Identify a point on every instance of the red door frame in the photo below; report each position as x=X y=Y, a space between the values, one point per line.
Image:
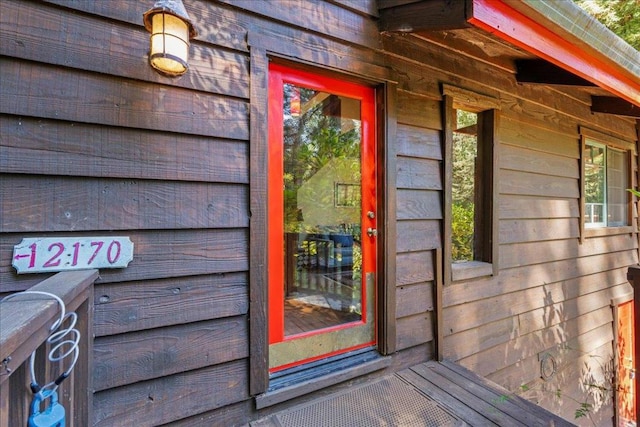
x=278 y=75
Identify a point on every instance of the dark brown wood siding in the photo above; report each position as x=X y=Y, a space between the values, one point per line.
x=553 y=292
x=94 y=142
x=419 y=215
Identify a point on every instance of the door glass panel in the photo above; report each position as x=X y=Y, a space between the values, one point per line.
x=322 y=210
x=617 y=184
x=594 y=185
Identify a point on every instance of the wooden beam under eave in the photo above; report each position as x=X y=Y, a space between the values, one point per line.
x=425 y=15
x=614 y=105
x=538 y=71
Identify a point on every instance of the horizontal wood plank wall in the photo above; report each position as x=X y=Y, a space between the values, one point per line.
x=94 y=142
x=552 y=294
x=419 y=213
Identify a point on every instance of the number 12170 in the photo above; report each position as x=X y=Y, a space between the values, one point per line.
x=38 y=255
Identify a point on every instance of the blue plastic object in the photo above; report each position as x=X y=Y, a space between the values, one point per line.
x=53 y=414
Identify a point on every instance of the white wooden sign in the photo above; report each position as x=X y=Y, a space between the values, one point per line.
x=38 y=255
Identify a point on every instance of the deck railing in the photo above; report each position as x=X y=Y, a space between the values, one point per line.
x=25 y=323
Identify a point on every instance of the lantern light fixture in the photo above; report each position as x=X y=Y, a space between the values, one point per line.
x=171 y=30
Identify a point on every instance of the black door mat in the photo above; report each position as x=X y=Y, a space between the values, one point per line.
x=387 y=402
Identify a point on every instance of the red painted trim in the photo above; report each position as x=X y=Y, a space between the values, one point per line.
x=369 y=192
x=275 y=219
x=497 y=17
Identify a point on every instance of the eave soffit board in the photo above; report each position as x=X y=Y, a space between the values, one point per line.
x=523 y=23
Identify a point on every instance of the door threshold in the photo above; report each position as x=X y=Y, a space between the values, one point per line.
x=301 y=380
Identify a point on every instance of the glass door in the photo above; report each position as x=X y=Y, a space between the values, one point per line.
x=322 y=217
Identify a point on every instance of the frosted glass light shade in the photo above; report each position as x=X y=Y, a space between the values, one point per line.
x=169 y=44
x=171 y=30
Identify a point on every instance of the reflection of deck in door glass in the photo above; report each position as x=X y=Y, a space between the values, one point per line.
x=328 y=264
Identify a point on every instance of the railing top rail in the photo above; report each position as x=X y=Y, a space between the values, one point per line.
x=25 y=320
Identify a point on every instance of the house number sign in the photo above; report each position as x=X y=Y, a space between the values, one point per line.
x=39 y=255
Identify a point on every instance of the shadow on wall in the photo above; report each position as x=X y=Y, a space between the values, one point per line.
x=575 y=368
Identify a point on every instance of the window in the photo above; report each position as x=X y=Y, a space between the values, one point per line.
x=470 y=190
x=605 y=184
x=606 y=178
x=464 y=188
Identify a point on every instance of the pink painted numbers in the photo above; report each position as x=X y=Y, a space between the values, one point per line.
x=38 y=255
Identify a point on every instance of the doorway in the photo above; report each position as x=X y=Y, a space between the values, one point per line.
x=321 y=217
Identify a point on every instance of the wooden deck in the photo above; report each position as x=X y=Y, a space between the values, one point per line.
x=302 y=317
x=429 y=394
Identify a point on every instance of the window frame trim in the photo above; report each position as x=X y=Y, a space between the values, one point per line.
x=454 y=98
x=607 y=141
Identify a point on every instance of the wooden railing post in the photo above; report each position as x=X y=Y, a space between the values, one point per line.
x=633 y=275
x=25 y=323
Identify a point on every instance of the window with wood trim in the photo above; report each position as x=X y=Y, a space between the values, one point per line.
x=470 y=188
x=606 y=176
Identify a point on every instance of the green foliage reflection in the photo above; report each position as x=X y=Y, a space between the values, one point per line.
x=465 y=151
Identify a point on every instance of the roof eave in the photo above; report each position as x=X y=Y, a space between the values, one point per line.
x=561 y=33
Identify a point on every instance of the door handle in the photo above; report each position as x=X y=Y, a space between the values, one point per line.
x=372 y=232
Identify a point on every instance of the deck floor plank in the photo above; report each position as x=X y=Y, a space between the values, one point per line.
x=465 y=413
x=502 y=399
x=463 y=395
x=521 y=404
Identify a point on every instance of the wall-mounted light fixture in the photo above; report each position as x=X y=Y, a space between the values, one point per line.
x=171 y=29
